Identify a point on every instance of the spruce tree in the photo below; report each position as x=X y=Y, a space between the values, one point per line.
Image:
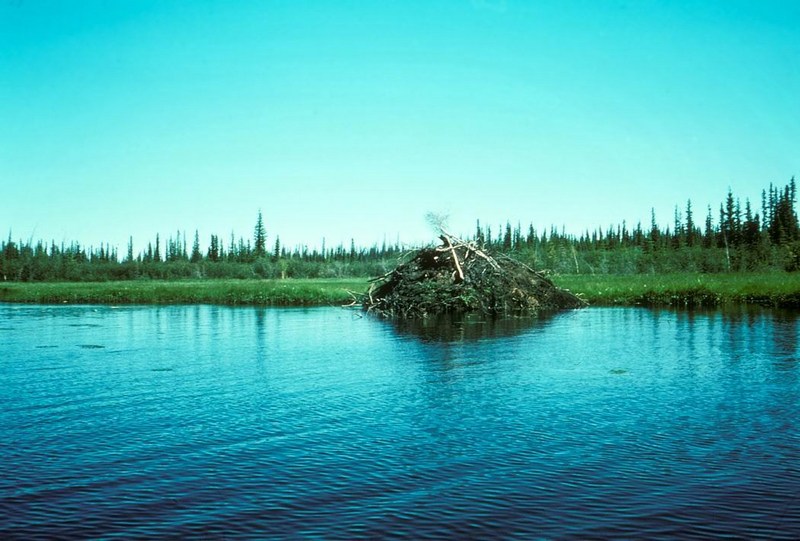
x=678 y=235
x=478 y=233
x=655 y=232
x=751 y=229
x=213 y=249
x=196 y=255
x=260 y=237
x=157 y=252
x=708 y=233
x=232 y=248
x=690 y=227
x=507 y=243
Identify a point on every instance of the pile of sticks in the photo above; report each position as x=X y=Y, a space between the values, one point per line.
x=460 y=276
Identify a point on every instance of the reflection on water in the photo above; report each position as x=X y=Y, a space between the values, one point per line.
x=216 y=422
x=468 y=327
x=741 y=329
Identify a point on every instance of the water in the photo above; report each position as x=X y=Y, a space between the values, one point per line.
x=212 y=422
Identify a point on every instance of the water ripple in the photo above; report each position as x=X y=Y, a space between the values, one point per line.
x=212 y=423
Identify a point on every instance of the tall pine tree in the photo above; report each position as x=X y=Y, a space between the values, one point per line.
x=260 y=237
x=196 y=255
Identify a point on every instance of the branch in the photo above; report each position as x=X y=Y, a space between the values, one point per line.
x=455 y=258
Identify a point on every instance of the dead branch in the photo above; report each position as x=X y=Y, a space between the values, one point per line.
x=455 y=258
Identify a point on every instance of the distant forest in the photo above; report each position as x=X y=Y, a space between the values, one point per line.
x=732 y=238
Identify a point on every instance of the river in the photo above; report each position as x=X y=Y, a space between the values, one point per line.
x=215 y=422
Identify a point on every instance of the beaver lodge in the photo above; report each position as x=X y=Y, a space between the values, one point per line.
x=460 y=277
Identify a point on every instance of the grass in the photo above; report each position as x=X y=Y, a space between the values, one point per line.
x=231 y=292
x=766 y=289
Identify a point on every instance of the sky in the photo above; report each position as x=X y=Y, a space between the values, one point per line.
x=354 y=119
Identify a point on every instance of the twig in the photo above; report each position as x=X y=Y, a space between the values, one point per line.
x=455 y=258
x=378 y=278
x=523 y=265
x=491 y=261
x=356 y=300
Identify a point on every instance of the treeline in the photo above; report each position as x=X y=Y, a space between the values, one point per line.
x=174 y=259
x=734 y=237
x=731 y=238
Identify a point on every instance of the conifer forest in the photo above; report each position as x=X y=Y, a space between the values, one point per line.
x=736 y=236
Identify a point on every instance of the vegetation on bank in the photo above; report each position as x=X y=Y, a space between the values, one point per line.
x=733 y=238
x=776 y=289
x=773 y=289
x=229 y=292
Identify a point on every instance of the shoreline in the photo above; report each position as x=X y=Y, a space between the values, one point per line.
x=771 y=289
x=290 y=292
x=780 y=290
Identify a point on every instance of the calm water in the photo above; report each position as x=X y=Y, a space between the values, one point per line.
x=289 y=424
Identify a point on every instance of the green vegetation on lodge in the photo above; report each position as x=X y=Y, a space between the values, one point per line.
x=777 y=289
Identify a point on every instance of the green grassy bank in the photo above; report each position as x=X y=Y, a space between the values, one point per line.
x=294 y=292
x=766 y=289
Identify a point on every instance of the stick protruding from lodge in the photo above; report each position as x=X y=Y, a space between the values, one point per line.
x=459 y=277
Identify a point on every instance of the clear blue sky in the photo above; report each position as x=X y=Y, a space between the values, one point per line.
x=353 y=119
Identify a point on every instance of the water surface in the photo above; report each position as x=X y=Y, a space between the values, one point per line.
x=220 y=422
